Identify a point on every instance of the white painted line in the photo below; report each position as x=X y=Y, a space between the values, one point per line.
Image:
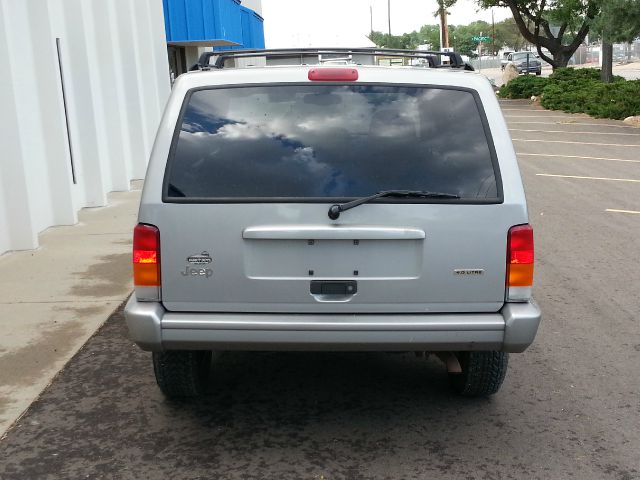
x=621 y=211
x=589 y=178
x=573 y=132
x=541 y=110
x=577 y=156
x=572 y=123
x=637 y=145
x=537 y=116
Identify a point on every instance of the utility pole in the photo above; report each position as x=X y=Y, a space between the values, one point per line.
x=389 y=14
x=444 y=26
x=371 y=16
x=493 y=37
x=480 y=54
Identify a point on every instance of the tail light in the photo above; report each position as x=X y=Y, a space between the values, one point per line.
x=146 y=262
x=520 y=263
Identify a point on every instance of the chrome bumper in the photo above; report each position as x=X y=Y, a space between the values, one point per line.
x=153 y=328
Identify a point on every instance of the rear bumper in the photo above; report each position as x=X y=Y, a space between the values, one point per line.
x=153 y=328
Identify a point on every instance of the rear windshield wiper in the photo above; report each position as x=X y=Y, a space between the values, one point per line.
x=336 y=210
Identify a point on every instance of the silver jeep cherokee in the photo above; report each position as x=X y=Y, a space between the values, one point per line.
x=333 y=207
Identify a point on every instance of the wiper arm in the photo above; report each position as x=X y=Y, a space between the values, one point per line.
x=336 y=210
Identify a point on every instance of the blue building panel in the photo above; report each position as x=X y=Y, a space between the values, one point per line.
x=257 y=31
x=252 y=29
x=246 y=27
x=208 y=11
x=228 y=20
x=208 y=22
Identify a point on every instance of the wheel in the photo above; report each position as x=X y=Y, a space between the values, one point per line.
x=538 y=73
x=182 y=374
x=482 y=373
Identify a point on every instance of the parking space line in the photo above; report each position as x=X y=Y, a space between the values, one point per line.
x=636 y=145
x=537 y=116
x=572 y=123
x=588 y=178
x=614 y=210
x=541 y=110
x=566 y=131
x=577 y=156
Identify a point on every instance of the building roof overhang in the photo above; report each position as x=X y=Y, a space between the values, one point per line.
x=204 y=43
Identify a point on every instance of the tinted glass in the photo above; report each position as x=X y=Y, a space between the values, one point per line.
x=321 y=141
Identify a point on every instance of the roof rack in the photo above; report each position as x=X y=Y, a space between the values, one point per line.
x=434 y=58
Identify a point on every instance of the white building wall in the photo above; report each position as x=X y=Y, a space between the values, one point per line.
x=116 y=78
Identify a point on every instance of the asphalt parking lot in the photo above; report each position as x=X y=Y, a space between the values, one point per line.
x=569 y=408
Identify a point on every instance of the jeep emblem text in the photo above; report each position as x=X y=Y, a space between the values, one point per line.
x=197 y=272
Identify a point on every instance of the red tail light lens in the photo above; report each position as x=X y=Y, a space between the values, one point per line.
x=333 y=74
x=146 y=256
x=520 y=257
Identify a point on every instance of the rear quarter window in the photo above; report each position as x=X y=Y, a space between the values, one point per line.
x=318 y=142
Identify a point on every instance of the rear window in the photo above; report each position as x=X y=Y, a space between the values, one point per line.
x=319 y=142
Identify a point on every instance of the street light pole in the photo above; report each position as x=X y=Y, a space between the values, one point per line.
x=389 y=14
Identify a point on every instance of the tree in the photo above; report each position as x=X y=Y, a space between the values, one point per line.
x=406 y=41
x=464 y=34
x=460 y=37
x=442 y=12
x=618 y=21
x=462 y=40
x=508 y=35
x=537 y=20
x=430 y=34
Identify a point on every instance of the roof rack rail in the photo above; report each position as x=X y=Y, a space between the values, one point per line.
x=434 y=58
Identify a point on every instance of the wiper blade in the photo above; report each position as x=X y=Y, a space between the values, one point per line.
x=336 y=210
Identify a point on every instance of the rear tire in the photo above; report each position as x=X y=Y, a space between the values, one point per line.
x=538 y=73
x=482 y=373
x=182 y=374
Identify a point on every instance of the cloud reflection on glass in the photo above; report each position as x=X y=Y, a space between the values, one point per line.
x=331 y=141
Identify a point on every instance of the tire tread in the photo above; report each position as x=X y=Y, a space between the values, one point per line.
x=181 y=374
x=483 y=373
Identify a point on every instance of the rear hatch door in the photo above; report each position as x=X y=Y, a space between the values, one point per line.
x=253 y=171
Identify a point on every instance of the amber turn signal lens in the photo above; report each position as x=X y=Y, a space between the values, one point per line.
x=146 y=256
x=520 y=256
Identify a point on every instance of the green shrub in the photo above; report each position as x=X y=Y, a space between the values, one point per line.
x=578 y=75
x=579 y=90
x=616 y=100
x=524 y=86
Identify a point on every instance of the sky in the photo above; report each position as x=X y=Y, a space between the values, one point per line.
x=345 y=23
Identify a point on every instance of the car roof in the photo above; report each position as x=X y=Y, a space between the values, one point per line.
x=367 y=74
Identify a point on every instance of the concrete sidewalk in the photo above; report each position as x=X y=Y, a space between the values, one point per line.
x=54 y=298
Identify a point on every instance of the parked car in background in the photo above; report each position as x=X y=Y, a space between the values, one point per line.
x=525 y=62
x=504 y=59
